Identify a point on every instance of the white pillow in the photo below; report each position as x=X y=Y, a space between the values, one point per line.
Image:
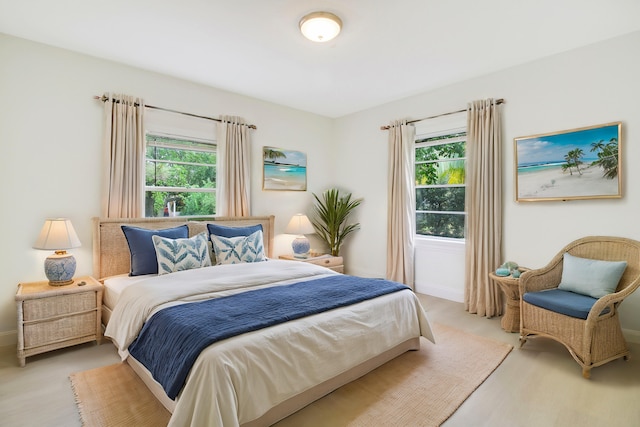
x=240 y=249
x=181 y=254
x=591 y=277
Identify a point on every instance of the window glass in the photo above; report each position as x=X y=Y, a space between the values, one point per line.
x=180 y=176
x=440 y=166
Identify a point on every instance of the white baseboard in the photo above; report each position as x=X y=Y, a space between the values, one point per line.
x=631 y=335
x=8 y=339
x=433 y=290
x=441 y=292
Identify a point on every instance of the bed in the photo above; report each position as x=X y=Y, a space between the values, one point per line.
x=265 y=374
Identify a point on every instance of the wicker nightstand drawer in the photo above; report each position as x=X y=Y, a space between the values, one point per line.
x=64 y=328
x=46 y=308
x=333 y=261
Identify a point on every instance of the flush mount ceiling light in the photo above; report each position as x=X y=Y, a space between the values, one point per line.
x=320 y=26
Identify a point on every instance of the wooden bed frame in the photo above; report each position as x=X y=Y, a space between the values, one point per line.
x=111 y=257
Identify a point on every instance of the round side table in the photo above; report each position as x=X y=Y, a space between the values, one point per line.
x=511 y=318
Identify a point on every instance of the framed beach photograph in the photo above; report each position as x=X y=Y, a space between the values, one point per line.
x=284 y=169
x=583 y=163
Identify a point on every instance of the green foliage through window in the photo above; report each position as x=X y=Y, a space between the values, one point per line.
x=440 y=185
x=180 y=175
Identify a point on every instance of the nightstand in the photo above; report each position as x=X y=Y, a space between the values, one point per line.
x=334 y=263
x=53 y=317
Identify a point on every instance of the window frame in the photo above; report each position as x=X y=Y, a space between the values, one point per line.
x=426 y=133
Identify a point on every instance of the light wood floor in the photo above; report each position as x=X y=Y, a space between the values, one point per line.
x=537 y=385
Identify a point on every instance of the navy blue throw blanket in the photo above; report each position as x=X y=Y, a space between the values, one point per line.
x=171 y=340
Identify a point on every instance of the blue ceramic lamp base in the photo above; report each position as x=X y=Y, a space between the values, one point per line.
x=301 y=247
x=60 y=268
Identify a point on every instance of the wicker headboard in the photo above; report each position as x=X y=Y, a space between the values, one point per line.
x=111 y=251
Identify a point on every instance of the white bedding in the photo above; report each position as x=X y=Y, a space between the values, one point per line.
x=237 y=380
x=114 y=285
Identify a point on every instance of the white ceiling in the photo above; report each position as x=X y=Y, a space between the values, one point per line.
x=388 y=49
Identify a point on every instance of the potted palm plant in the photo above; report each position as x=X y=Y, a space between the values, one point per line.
x=329 y=218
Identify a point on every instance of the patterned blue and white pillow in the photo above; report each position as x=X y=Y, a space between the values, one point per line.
x=240 y=249
x=181 y=254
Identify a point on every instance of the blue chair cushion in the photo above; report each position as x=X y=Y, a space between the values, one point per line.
x=142 y=250
x=565 y=302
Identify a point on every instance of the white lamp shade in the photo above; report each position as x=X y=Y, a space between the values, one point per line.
x=320 y=26
x=299 y=225
x=57 y=234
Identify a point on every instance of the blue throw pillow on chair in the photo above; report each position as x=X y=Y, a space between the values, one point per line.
x=591 y=277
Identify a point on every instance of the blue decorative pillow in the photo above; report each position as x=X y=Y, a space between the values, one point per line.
x=226 y=231
x=143 y=253
x=591 y=277
x=181 y=254
x=241 y=249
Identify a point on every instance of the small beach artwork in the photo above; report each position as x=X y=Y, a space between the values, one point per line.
x=284 y=169
x=583 y=163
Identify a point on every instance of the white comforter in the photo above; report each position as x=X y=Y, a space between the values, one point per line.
x=237 y=380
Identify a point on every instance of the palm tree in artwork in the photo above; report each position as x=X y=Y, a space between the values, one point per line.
x=569 y=163
x=578 y=154
x=607 y=157
x=573 y=160
x=273 y=154
x=597 y=146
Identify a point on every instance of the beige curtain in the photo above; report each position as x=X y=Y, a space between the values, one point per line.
x=123 y=157
x=234 y=154
x=484 y=208
x=401 y=204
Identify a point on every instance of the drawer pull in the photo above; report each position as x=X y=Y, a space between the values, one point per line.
x=326 y=261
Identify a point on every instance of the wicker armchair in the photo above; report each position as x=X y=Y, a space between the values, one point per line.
x=597 y=339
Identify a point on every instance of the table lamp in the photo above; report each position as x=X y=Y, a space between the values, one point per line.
x=300 y=225
x=57 y=234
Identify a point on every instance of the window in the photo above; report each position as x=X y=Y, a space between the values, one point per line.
x=180 y=176
x=440 y=184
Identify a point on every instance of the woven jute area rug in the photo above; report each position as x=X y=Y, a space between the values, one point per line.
x=114 y=396
x=418 y=388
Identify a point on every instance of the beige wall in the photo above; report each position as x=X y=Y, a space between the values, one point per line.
x=51 y=130
x=587 y=86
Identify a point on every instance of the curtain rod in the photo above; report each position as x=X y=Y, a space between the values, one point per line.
x=387 y=127
x=153 y=107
